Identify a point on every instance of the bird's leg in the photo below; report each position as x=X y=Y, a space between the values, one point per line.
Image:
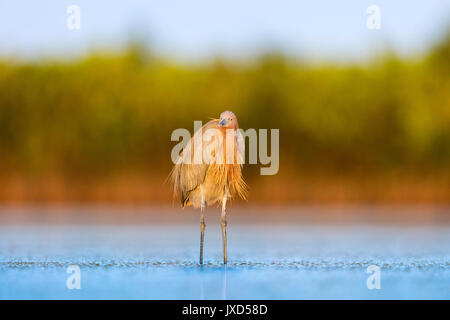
x=224 y=228
x=202 y=228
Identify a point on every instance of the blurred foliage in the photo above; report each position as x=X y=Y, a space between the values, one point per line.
x=115 y=112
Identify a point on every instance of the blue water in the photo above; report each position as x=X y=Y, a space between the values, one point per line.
x=265 y=262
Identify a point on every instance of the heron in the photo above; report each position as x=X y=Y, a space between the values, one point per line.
x=217 y=177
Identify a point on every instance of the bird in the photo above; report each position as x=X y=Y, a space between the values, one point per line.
x=208 y=171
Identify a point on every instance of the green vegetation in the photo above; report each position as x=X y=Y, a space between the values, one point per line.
x=114 y=113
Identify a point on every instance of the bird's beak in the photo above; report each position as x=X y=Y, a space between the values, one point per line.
x=223 y=122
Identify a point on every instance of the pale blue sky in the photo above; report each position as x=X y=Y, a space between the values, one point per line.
x=196 y=29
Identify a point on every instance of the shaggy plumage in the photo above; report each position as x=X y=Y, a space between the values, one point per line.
x=212 y=175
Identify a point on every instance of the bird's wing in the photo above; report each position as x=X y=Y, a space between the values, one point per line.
x=191 y=166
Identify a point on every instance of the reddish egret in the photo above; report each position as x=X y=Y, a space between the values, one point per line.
x=204 y=175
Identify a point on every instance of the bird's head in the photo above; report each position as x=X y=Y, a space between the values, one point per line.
x=228 y=120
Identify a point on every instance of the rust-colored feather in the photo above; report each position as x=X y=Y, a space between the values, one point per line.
x=217 y=178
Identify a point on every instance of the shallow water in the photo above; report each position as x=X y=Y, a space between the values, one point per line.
x=265 y=262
